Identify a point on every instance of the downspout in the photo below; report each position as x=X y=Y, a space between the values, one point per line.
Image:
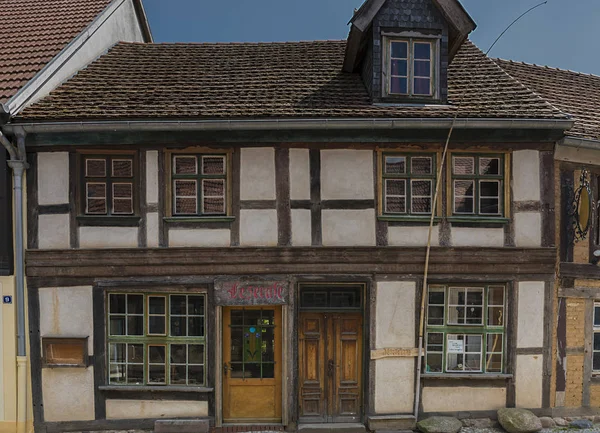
x=18 y=164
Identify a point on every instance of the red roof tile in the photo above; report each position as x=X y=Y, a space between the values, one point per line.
x=574 y=93
x=267 y=80
x=34 y=31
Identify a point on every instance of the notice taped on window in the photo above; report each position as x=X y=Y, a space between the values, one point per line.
x=455 y=346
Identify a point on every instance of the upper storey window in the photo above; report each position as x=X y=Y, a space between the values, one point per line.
x=411 y=68
x=108 y=185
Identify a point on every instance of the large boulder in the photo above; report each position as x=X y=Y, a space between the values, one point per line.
x=581 y=424
x=439 y=424
x=519 y=421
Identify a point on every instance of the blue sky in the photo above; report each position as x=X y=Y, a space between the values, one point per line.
x=562 y=33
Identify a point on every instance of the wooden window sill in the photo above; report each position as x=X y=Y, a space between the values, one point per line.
x=108 y=221
x=199 y=219
x=461 y=376
x=150 y=388
x=478 y=220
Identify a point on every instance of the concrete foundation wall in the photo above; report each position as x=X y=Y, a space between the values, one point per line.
x=68 y=394
x=462 y=399
x=139 y=409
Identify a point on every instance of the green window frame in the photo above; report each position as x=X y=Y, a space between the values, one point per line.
x=465 y=329
x=156 y=338
x=478 y=185
x=408 y=183
x=108 y=185
x=199 y=184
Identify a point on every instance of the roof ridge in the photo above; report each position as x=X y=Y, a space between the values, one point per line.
x=231 y=43
x=517 y=62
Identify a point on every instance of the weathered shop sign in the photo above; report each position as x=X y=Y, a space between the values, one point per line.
x=251 y=292
x=394 y=353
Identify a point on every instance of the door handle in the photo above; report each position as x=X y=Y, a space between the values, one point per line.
x=330 y=367
x=226 y=368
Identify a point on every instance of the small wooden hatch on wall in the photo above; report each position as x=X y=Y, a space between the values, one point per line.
x=65 y=352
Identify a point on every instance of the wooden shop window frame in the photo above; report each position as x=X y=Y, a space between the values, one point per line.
x=504 y=178
x=382 y=177
x=198 y=152
x=77 y=342
x=109 y=218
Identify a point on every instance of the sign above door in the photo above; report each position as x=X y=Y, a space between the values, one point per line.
x=248 y=292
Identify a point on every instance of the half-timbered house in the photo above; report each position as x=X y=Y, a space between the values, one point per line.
x=236 y=233
x=577 y=174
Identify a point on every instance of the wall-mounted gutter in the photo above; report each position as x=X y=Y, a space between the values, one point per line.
x=286 y=124
x=580 y=143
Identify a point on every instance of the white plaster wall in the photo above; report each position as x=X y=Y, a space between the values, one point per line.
x=152 y=229
x=394 y=327
x=348 y=227
x=53 y=232
x=528 y=381
x=137 y=409
x=347 y=174
x=477 y=237
x=394 y=385
x=258 y=173
x=68 y=394
x=413 y=236
x=258 y=227
x=67 y=312
x=528 y=229
x=53 y=177
x=108 y=237
x=526 y=175
x=117 y=23
x=301 y=228
x=462 y=398
x=299 y=174
x=530 y=324
x=152 y=177
x=199 y=238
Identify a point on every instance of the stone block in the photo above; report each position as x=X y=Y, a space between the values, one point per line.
x=182 y=426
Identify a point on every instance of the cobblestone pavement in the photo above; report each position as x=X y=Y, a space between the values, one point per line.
x=596 y=429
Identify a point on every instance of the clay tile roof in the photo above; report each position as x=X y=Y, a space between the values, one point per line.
x=34 y=31
x=572 y=92
x=266 y=80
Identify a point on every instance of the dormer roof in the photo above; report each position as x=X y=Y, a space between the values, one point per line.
x=459 y=21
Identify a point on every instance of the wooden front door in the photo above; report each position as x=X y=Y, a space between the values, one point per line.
x=330 y=364
x=252 y=364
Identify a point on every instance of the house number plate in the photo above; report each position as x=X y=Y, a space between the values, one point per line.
x=7 y=299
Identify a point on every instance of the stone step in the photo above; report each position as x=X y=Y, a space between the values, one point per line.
x=332 y=428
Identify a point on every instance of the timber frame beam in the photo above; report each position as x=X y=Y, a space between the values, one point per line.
x=107 y=263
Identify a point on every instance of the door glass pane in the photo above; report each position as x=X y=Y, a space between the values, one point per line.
x=252 y=343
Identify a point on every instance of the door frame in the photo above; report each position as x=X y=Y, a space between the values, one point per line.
x=285 y=368
x=368 y=335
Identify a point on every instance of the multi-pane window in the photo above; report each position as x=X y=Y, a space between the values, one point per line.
x=465 y=329
x=199 y=185
x=156 y=339
x=596 y=344
x=108 y=185
x=477 y=185
x=411 y=67
x=408 y=183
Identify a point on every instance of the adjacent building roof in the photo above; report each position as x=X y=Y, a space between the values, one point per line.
x=574 y=93
x=33 y=32
x=267 y=80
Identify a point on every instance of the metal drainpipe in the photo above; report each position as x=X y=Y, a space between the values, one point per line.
x=18 y=164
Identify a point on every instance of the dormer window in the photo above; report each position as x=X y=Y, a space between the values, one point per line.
x=411 y=68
